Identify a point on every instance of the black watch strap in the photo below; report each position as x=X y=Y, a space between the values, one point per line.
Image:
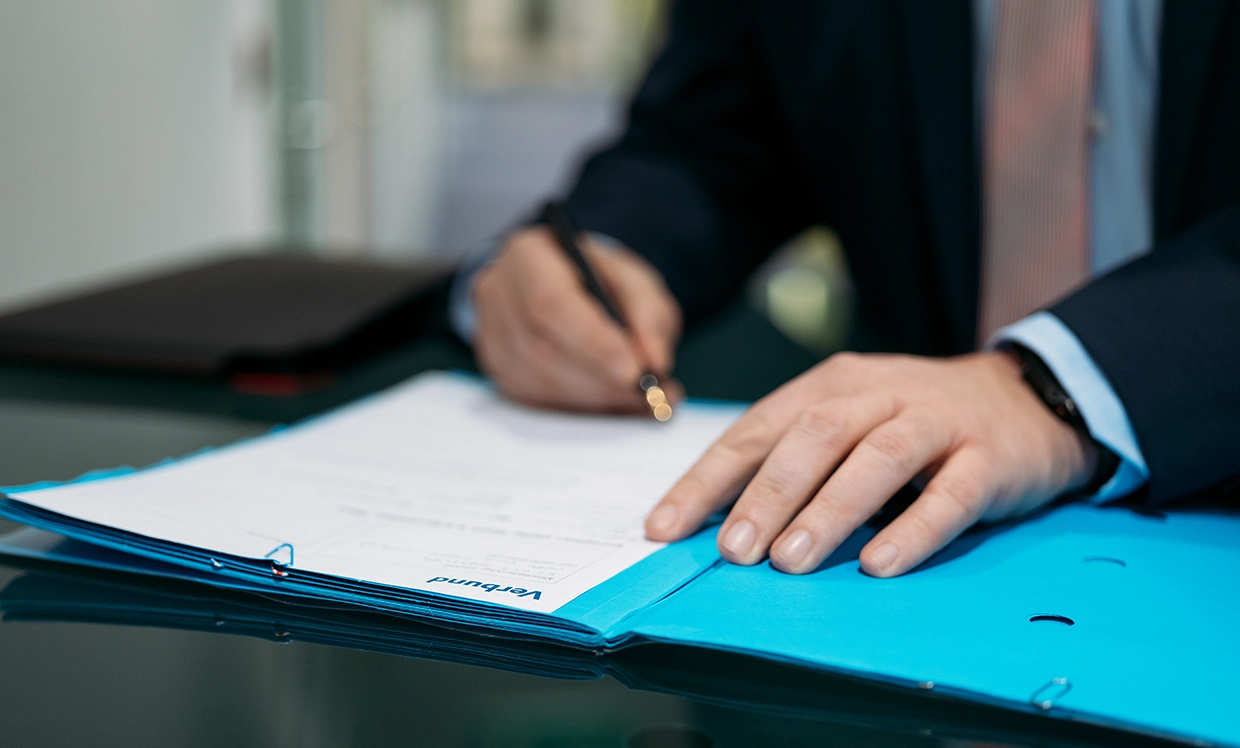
x=1047 y=387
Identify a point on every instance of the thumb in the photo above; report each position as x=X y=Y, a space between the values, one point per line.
x=652 y=313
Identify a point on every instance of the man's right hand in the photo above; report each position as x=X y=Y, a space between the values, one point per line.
x=545 y=341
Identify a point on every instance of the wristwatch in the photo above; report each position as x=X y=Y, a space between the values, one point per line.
x=1048 y=389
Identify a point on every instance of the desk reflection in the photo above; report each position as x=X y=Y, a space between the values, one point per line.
x=111 y=659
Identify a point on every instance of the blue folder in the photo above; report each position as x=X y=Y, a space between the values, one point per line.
x=1107 y=615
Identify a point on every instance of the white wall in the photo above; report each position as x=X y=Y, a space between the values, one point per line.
x=133 y=133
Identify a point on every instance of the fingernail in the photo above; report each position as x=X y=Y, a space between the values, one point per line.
x=662 y=519
x=884 y=555
x=739 y=538
x=794 y=547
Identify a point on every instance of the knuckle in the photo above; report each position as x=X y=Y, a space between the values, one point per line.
x=744 y=440
x=961 y=493
x=665 y=312
x=673 y=318
x=771 y=484
x=829 y=509
x=528 y=240
x=544 y=308
x=647 y=325
x=844 y=361
x=609 y=349
x=823 y=421
x=893 y=447
x=919 y=525
x=660 y=326
x=692 y=483
x=621 y=257
x=540 y=353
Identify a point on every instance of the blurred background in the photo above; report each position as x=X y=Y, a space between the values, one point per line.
x=139 y=134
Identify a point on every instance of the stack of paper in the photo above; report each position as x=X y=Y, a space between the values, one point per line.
x=438 y=501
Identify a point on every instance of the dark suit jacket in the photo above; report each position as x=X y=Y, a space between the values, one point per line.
x=762 y=117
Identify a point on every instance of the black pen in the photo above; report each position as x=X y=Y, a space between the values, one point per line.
x=555 y=215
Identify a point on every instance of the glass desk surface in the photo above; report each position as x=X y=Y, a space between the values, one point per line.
x=104 y=660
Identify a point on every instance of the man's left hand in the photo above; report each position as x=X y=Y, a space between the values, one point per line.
x=822 y=454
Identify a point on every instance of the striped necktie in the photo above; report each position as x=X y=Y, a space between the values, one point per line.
x=1035 y=180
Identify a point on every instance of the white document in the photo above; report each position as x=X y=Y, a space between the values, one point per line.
x=437 y=484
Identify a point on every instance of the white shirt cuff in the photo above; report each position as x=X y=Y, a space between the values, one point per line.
x=1101 y=408
x=461 y=313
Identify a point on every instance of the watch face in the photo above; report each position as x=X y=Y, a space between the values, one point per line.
x=1070 y=405
x=1044 y=384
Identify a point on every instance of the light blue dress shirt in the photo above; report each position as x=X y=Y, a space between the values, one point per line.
x=1121 y=215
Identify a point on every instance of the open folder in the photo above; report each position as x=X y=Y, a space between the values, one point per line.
x=439 y=501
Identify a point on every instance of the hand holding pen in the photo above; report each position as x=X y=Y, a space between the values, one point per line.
x=546 y=338
x=555 y=216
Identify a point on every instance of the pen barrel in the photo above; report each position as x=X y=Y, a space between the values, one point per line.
x=556 y=217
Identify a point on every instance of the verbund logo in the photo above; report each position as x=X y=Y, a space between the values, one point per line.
x=518 y=591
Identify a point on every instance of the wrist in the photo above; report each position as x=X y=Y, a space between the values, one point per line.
x=1099 y=462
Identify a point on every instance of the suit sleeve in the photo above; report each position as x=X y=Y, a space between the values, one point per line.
x=1165 y=330
x=700 y=183
x=1104 y=414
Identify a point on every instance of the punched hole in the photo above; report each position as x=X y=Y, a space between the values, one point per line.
x=1053 y=618
x=1105 y=560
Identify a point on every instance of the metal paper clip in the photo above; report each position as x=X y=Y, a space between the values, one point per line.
x=277 y=562
x=1046 y=703
x=274 y=554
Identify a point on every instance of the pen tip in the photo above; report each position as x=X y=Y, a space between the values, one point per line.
x=656 y=398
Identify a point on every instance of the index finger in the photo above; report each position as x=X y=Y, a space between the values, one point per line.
x=728 y=465
x=648 y=307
